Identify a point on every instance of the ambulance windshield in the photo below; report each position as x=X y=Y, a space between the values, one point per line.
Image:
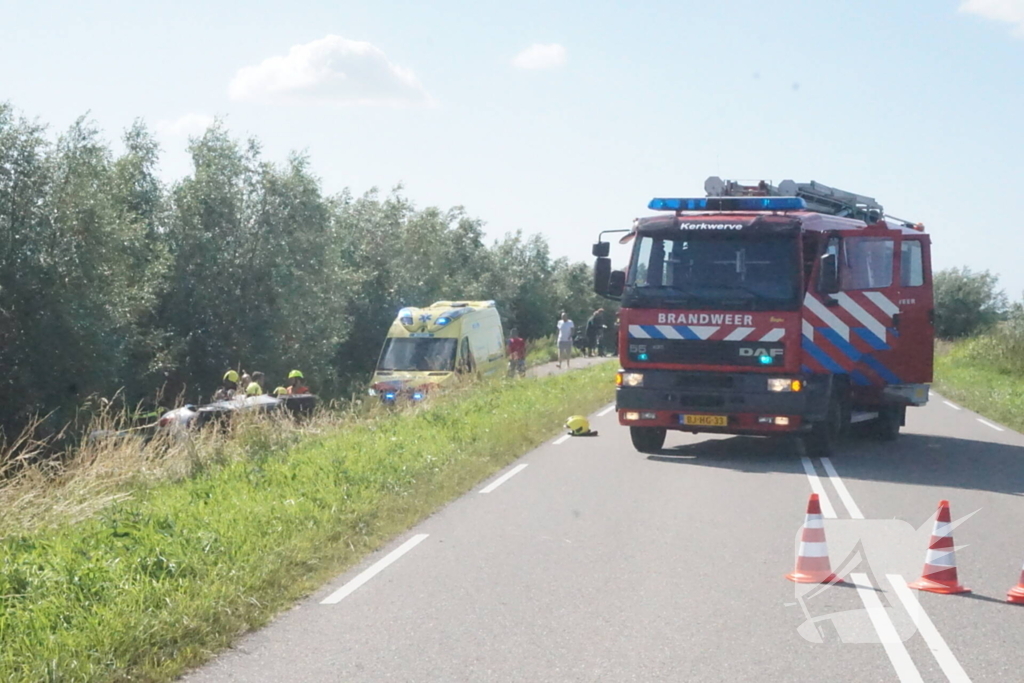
x=423 y=354
x=715 y=271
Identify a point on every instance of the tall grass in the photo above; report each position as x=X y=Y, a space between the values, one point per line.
x=146 y=558
x=986 y=373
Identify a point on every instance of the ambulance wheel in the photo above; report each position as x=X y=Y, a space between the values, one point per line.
x=890 y=419
x=647 y=439
x=825 y=435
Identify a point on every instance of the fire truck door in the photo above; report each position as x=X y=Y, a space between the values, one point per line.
x=915 y=324
x=869 y=309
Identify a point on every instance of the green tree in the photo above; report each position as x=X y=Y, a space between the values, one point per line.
x=966 y=302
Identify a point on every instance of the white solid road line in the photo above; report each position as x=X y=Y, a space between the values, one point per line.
x=989 y=424
x=503 y=478
x=952 y=405
x=890 y=639
x=841 y=489
x=943 y=655
x=606 y=410
x=350 y=587
x=562 y=439
x=826 y=505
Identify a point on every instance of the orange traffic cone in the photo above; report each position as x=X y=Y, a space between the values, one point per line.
x=939 y=575
x=1016 y=594
x=812 y=565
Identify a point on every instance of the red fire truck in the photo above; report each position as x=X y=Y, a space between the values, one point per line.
x=763 y=310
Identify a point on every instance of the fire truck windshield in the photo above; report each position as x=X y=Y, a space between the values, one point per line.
x=715 y=271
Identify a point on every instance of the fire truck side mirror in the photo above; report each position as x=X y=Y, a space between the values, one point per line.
x=828 y=274
x=601 y=249
x=602 y=274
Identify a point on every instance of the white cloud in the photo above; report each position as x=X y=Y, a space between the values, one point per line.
x=330 y=70
x=184 y=126
x=539 y=56
x=1009 y=11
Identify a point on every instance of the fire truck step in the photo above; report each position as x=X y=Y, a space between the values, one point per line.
x=862 y=416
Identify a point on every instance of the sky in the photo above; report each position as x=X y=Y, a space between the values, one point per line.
x=565 y=118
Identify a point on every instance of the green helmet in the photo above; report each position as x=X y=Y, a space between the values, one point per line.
x=253 y=389
x=231 y=376
x=295 y=373
x=279 y=391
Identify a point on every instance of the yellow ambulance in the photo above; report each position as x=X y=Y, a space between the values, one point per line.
x=429 y=347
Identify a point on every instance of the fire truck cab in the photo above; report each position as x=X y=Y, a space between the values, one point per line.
x=763 y=310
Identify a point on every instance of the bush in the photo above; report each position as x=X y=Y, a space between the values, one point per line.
x=967 y=303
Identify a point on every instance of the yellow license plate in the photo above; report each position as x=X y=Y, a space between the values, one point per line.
x=705 y=420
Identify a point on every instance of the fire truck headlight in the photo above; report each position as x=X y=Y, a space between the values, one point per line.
x=779 y=384
x=633 y=379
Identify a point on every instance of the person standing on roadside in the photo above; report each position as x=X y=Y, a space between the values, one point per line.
x=516 y=354
x=592 y=329
x=565 y=330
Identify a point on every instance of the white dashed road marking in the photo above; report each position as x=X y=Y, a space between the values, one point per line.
x=989 y=424
x=503 y=478
x=350 y=587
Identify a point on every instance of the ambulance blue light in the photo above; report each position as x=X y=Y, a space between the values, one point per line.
x=765 y=360
x=728 y=204
x=390 y=396
x=418 y=396
x=443 y=320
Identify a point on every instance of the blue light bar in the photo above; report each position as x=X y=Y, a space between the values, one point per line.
x=728 y=204
x=443 y=320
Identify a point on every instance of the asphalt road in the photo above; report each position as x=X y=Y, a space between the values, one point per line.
x=596 y=563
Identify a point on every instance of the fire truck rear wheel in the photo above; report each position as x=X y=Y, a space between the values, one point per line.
x=647 y=439
x=890 y=419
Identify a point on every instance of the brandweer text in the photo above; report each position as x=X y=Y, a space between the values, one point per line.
x=704 y=319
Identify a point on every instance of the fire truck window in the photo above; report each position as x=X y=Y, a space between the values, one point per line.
x=642 y=274
x=911 y=264
x=867 y=263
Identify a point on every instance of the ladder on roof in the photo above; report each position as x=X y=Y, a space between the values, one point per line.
x=820 y=198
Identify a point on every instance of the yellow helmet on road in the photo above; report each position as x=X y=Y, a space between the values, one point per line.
x=253 y=389
x=231 y=376
x=577 y=425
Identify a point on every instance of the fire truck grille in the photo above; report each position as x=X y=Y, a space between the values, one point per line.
x=700 y=352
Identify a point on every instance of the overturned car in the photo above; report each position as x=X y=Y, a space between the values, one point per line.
x=190 y=416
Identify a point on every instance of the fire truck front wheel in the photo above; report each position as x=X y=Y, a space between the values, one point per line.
x=647 y=439
x=824 y=435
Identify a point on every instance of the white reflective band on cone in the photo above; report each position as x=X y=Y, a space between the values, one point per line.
x=814 y=522
x=943 y=529
x=941 y=558
x=813 y=549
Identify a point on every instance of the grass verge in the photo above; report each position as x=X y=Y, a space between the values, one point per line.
x=969 y=373
x=158 y=580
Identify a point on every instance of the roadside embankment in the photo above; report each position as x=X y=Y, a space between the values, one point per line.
x=986 y=375
x=172 y=562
